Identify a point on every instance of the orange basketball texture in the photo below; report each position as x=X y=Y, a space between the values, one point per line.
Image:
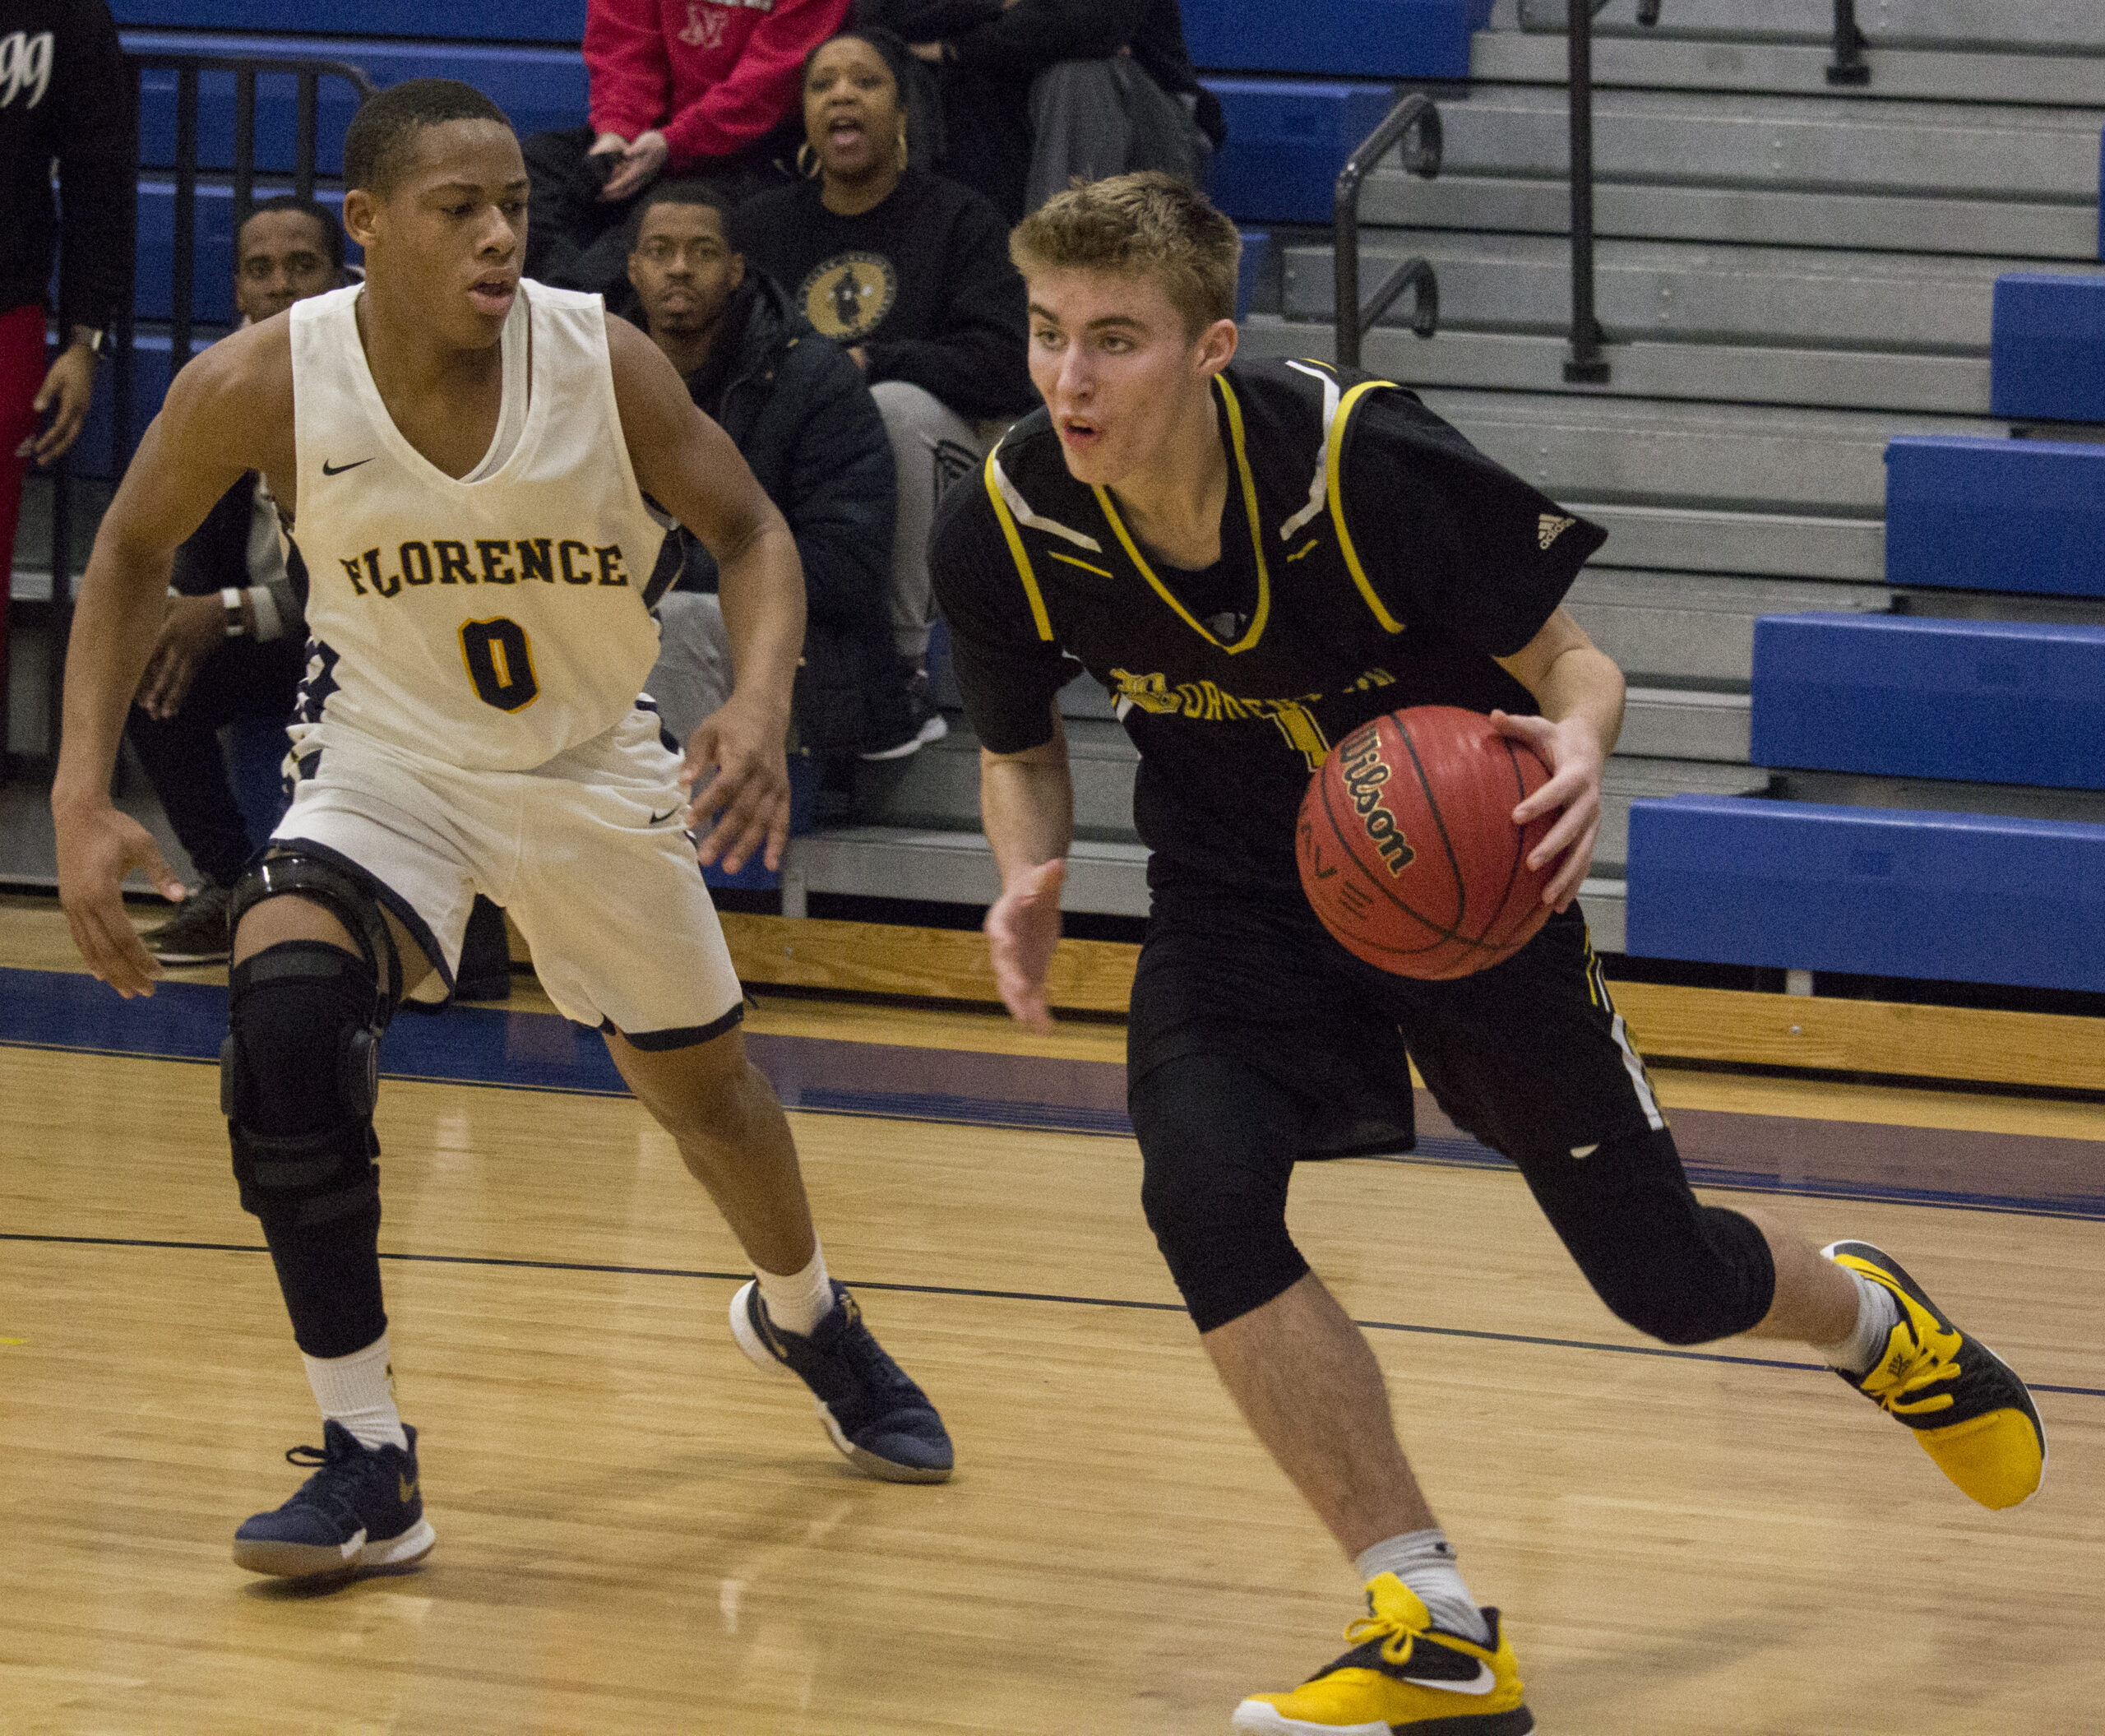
x=1407 y=846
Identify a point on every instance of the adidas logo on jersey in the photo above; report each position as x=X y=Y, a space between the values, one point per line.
x=1549 y=527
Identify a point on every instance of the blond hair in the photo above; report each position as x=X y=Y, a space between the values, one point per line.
x=1147 y=224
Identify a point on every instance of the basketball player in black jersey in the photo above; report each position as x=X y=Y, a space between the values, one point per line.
x=435 y=783
x=1255 y=559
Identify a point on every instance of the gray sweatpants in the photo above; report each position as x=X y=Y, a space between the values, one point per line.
x=933 y=445
x=692 y=675
x=1092 y=118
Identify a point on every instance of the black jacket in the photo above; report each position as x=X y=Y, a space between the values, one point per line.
x=922 y=281
x=797 y=410
x=65 y=94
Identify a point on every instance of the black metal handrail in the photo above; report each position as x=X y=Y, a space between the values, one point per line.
x=1848 y=67
x=1417 y=114
x=1586 y=365
x=188 y=69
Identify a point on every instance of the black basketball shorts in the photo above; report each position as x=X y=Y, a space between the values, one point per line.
x=1256 y=1041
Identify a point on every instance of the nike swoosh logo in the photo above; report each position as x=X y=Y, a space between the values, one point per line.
x=660 y=819
x=338 y=470
x=1583 y=1152
x=406 y=1487
x=1485 y=1679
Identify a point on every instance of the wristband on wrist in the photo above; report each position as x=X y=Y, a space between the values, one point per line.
x=231 y=598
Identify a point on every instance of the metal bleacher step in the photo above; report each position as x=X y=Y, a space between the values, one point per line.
x=1689 y=320
x=1808 y=171
x=1747 y=373
x=1676 y=629
x=2075 y=27
x=1676 y=61
x=1105 y=879
x=1747 y=459
x=1951 y=50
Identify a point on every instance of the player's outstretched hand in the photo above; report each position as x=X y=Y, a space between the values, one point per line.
x=1572 y=751
x=736 y=777
x=1023 y=927
x=97 y=847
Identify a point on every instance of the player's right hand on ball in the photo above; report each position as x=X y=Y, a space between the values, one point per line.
x=97 y=847
x=1023 y=927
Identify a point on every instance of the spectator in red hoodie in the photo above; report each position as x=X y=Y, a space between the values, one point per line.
x=692 y=88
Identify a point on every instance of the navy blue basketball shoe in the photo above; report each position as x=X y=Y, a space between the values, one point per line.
x=877 y=1417
x=360 y=1512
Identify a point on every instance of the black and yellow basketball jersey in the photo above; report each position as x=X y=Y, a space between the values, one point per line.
x=1371 y=559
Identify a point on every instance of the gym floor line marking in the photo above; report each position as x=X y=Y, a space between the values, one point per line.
x=978 y=1293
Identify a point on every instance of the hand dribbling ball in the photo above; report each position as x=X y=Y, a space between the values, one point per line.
x=1407 y=850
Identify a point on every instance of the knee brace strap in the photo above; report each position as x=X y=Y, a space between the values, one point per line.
x=344 y=896
x=300 y=1074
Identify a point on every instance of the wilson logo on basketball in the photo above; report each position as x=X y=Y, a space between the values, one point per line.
x=1365 y=774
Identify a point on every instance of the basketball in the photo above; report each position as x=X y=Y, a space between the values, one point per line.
x=1407 y=846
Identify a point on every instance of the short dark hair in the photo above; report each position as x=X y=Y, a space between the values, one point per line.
x=386 y=124
x=686 y=192
x=333 y=231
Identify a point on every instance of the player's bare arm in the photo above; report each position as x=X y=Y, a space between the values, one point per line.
x=1579 y=690
x=688 y=463
x=229 y=412
x=1027 y=805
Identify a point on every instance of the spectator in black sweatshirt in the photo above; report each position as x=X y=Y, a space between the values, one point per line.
x=64 y=96
x=799 y=414
x=908 y=271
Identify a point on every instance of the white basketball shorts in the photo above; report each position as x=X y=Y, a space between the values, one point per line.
x=587 y=853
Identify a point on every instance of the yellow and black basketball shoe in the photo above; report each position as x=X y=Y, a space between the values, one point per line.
x=1401 y=1675
x=1967 y=1406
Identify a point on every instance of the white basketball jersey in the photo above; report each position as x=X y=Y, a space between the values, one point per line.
x=493 y=621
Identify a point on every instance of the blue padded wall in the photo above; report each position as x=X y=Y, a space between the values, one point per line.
x=1286 y=143
x=2048 y=359
x=1995 y=515
x=540 y=88
x=1896 y=696
x=1879 y=892
x=515 y=21
x=1352 y=38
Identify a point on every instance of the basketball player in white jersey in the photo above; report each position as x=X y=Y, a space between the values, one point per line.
x=466 y=464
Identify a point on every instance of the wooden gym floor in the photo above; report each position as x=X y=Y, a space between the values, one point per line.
x=639 y=1533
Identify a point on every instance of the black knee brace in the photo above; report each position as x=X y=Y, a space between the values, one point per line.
x=299 y=1072
x=1217 y=1142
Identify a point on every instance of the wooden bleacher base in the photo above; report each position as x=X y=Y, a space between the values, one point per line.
x=2048 y=1051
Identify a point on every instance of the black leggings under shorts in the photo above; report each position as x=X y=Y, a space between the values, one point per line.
x=1255 y=1040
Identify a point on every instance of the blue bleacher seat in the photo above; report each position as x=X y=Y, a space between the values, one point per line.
x=2048 y=360
x=1880 y=892
x=1896 y=696
x=1286 y=143
x=516 y=21
x=1972 y=514
x=1353 y=38
x=754 y=875
x=540 y=88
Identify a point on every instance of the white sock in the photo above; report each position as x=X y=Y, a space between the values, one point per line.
x=799 y=1302
x=1425 y=1561
x=358 y=1392
x=1877 y=1314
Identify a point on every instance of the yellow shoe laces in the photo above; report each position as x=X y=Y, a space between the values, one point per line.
x=1900 y=1380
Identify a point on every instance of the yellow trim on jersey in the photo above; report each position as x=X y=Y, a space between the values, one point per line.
x=1256 y=627
x=1101 y=572
x=1334 y=472
x=1017 y=552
